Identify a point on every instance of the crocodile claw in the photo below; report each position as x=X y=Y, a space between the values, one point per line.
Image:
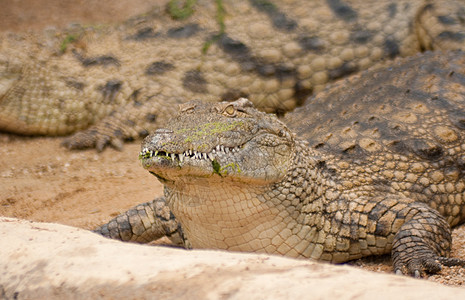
x=90 y=139
x=419 y=267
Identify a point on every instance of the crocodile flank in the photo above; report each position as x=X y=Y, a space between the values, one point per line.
x=372 y=165
x=108 y=84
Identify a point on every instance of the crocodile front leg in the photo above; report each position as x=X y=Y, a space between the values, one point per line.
x=423 y=242
x=144 y=223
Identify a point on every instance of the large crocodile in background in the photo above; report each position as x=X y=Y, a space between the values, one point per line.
x=111 y=84
x=373 y=165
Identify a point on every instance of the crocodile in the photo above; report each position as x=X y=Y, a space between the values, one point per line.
x=372 y=165
x=104 y=85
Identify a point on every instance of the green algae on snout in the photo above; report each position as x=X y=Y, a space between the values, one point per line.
x=216 y=167
x=233 y=166
x=206 y=130
x=222 y=170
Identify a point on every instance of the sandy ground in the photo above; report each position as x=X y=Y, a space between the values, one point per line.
x=21 y=15
x=41 y=181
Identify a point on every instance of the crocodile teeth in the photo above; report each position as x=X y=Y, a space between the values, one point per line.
x=218 y=151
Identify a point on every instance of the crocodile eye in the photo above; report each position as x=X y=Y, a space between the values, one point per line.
x=187 y=108
x=229 y=111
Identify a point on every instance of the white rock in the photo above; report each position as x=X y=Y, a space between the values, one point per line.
x=52 y=261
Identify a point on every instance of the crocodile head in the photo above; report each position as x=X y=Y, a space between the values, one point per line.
x=220 y=141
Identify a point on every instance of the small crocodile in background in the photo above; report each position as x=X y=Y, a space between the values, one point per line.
x=373 y=165
x=111 y=84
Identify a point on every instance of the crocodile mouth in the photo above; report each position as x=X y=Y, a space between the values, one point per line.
x=168 y=167
x=218 y=152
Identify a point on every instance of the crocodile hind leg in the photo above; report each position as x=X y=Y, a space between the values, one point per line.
x=129 y=122
x=144 y=223
x=423 y=242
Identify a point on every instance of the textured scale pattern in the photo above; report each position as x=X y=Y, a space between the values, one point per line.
x=403 y=126
x=115 y=83
x=372 y=165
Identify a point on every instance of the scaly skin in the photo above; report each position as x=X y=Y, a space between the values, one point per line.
x=112 y=84
x=372 y=169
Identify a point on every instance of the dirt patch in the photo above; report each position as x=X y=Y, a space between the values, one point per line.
x=42 y=181
x=38 y=14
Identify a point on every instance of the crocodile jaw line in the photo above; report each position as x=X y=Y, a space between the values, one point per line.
x=218 y=152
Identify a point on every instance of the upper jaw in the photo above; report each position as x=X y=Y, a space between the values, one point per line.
x=179 y=147
x=254 y=161
x=156 y=156
x=215 y=153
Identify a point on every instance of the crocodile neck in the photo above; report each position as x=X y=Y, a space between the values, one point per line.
x=245 y=217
